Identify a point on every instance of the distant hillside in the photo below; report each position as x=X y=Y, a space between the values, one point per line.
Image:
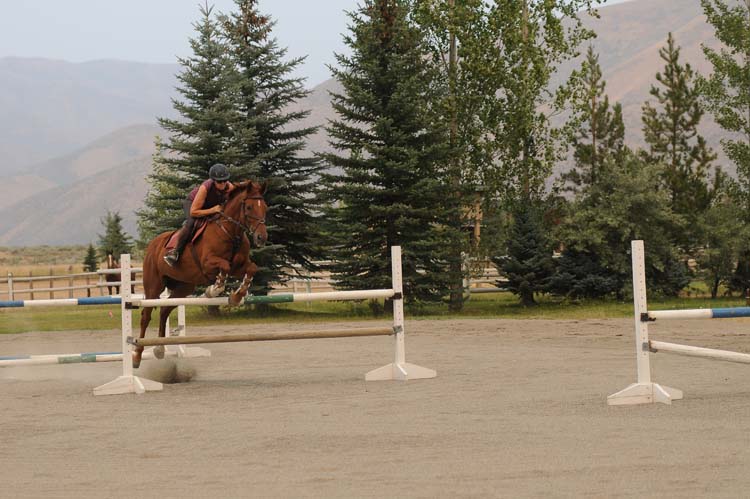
x=116 y=148
x=630 y=35
x=49 y=108
x=72 y=214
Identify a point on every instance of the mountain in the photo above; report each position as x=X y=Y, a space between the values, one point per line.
x=73 y=214
x=119 y=147
x=629 y=37
x=101 y=121
x=49 y=108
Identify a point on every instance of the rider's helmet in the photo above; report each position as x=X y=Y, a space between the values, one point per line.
x=219 y=172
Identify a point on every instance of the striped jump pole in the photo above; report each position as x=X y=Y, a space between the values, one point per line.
x=644 y=391
x=399 y=369
x=70 y=358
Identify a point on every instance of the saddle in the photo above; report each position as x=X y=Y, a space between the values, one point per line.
x=198 y=228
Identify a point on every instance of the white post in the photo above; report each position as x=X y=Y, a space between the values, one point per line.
x=10 y=286
x=399 y=369
x=127 y=383
x=184 y=350
x=644 y=391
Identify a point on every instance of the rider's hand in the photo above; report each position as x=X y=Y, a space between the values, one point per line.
x=216 y=209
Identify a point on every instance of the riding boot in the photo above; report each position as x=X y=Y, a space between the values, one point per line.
x=173 y=256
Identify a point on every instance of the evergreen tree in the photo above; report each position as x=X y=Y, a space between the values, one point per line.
x=90 y=263
x=671 y=133
x=528 y=264
x=197 y=140
x=601 y=132
x=620 y=207
x=268 y=144
x=392 y=190
x=727 y=90
x=114 y=240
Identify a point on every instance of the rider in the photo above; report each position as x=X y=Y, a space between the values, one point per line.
x=203 y=201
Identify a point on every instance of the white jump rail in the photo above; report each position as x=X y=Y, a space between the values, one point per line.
x=91 y=357
x=644 y=391
x=399 y=369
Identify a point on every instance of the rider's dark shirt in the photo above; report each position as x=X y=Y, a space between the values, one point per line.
x=213 y=195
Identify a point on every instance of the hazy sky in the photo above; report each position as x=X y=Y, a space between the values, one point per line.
x=158 y=30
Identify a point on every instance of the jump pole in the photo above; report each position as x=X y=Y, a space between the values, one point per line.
x=399 y=369
x=644 y=391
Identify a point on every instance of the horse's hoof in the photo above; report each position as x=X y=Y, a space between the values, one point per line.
x=159 y=351
x=213 y=292
x=136 y=360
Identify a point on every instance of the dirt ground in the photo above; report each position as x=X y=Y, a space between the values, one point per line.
x=518 y=410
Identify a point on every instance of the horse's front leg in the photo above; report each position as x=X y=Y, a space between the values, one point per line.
x=163 y=317
x=145 y=319
x=247 y=278
x=219 y=268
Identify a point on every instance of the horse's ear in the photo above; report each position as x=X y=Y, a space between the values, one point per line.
x=263 y=187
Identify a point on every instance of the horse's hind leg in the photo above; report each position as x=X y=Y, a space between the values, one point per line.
x=180 y=290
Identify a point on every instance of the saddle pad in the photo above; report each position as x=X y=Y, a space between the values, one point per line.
x=200 y=226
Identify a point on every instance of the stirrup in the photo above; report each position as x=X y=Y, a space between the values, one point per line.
x=171 y=258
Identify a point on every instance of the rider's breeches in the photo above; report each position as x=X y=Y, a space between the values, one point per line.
x=187 y=230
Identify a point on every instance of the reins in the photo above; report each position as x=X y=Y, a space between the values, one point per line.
x=248 y=231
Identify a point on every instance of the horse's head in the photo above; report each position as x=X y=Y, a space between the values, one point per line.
x=252 y=210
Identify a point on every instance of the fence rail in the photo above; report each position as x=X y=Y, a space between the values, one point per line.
x=483 y=279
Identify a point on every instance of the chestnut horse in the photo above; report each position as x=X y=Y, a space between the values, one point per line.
x=222 y=250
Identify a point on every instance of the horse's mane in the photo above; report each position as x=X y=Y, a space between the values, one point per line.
x=242 y=187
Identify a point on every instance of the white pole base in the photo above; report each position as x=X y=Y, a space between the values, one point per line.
x=128 y=384
x=645 y=393
x=402 y=372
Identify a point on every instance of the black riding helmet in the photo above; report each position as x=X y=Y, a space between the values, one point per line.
x=219 y=172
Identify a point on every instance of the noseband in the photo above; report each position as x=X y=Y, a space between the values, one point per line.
x=249 y=231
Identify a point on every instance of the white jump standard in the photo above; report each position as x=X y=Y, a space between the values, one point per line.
x=645 y=391
x=399 y=369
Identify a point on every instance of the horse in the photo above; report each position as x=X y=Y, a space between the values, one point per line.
x=222 y=250
x=112 y=263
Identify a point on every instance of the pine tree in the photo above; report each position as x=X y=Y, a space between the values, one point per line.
x=199 y=138
x=528 y=264
x=392 y=190
x=114 y=241
x=671 y=133
x=268 y=144
x=90 y=263
x=601 y=133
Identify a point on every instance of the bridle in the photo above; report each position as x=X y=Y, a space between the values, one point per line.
x=247 y=230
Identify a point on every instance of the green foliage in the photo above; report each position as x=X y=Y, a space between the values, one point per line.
x=727 y=90
x=534 y=39
x=600 y=132
x=90 y=262
x=268 y=142
x=582 y=274
x=620 y=207
x=528 y=263
x=725 y=238
x=199 y=138
x=114 y=241
x=671 y=133
x=393 y=188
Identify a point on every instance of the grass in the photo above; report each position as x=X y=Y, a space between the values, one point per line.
x=496 y=305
